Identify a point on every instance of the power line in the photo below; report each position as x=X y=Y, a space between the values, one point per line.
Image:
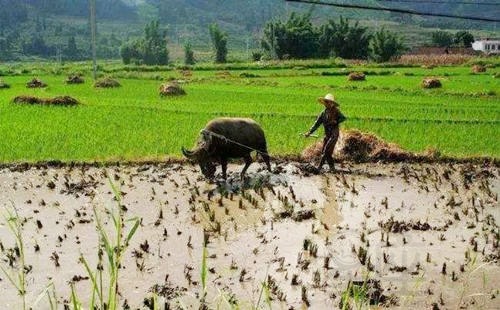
x=443 y=2
x=93 y=35
x=363 y=7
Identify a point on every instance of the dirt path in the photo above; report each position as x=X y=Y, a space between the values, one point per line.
x=305 y=236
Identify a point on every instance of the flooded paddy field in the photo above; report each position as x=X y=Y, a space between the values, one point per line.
x=406 y=235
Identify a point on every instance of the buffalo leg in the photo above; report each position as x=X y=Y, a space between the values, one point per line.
x=265 y=156
x=223 y=163
x=248 y=162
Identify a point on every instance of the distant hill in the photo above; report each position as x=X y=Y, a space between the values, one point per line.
x=45 y=28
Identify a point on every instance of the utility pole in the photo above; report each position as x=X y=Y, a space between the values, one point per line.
x=247 y=48
x=93 y=31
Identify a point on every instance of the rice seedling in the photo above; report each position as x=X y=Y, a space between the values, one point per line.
x=14 y=224
x=112 y=247
x=204 y=274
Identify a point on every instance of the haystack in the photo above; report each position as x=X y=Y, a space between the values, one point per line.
x=431 y=83
x=4 y=85
x=36 y=83
x=223 y=73
x=171 y=89
x=74 y=79
x=186 y=73
x=107 y=83
x=478 y=68
x=59 y=101
x=356 y=76
x=357 y=146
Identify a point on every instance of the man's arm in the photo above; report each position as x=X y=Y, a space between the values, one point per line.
x=341 y=118
x=318 y=123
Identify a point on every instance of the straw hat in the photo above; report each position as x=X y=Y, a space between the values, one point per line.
x=328 y=99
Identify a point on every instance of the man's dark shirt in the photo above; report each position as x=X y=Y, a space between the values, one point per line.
x=328 y=124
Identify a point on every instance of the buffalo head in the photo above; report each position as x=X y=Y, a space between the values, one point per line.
x=203 y=156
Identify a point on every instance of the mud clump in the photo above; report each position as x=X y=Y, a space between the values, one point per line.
x=107 y=83
x=431 y=83
x=74 y=79
x=356 y=76
x=58 y=101
x=395 y=226
x=478 y=69
x=360 y=147
x=36 y=83
x=171 y=89
x=4 y=85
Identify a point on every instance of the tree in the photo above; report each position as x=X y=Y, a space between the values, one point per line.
x=150 y=50
x=129 y=52
x=71 y=51
x=37 y=46
x=154 y=45
x=219 y=42
x=344 y=40
x=188 y=54
x=295 y=38
x=463 y=38
x=385 y=45
x=442 y=38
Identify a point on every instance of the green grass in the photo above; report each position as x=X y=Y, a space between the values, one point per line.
x=133 y=123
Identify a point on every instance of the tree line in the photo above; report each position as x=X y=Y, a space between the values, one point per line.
x=295 y=38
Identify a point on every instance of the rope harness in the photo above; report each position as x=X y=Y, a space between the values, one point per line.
x=226 y=139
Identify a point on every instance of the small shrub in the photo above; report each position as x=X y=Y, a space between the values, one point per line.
x=256 y=56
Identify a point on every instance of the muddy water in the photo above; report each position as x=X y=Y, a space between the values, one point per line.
x=302 y=235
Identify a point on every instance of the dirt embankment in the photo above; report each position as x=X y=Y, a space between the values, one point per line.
x=424 y=234
x=359 y=147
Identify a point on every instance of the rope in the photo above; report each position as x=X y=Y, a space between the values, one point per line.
x=226 y=139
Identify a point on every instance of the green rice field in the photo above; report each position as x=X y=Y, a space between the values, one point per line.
x=461 y=119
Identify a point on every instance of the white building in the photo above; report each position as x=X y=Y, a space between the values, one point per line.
x=487 y=46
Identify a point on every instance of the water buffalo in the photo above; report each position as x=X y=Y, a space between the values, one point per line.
x=225 y=138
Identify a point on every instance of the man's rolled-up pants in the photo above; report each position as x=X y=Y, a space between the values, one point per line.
x=329 y=143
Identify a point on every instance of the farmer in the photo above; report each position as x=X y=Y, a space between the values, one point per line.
x=330 y=118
